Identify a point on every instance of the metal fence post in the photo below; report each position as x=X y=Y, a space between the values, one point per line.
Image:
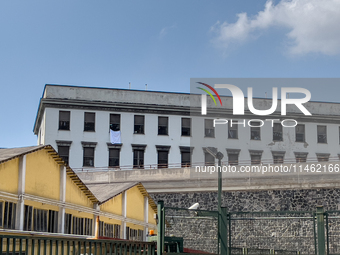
x=321 y=230
x=160 y=227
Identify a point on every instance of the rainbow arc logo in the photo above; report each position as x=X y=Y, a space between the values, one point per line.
x=208 y=92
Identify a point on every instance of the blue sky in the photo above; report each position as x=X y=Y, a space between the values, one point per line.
x=110 y=43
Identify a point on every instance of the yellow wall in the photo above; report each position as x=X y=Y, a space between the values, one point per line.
x=135 y=204
x=79 y=213
x=75 y=196
x=109 y=220
x=42 y=175
x=9 y=175
x=114 y=205
x=38 y=205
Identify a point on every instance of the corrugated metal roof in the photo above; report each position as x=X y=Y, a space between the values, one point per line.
x=8 y=154
x=104 y=192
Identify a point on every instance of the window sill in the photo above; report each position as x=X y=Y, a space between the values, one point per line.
x=89 y=130
x=64 y=129
x=162 y=135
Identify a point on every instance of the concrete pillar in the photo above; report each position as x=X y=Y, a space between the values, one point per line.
x=124 y=210
x=20 y=214
x=146 y=217
x=61 y=217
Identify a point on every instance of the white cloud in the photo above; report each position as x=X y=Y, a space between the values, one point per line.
x=314 y=26
x=165 y=30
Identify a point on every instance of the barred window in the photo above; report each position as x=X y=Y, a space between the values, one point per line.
x=322 y=134
x=28 y=217
x=300 y=133
x=139 y=124
x=186 y=127
x=277 y=132
x=89 y=121
x=40 y=220
x=64 y=120
x=52 y=221
x=68 y=223
x=209 y=129
x=163 y=123
x=9 y=215
x=115 y=122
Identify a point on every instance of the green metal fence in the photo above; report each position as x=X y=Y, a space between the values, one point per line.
x=332 y=223
x=272 y=233
x=29 y=245
x=198 y=228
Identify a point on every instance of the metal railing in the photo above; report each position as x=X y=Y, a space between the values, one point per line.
x=38 y=245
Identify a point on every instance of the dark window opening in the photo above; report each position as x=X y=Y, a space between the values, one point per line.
x=89 y=121
x=300 y=133
x=28 y=218
x=40 y=220
x=63 y=152
x=233 y=159
x=255 y=130
x=9 y=215
x=114 y=157
x=277 y=132
x=322 y=134
x=186 y=127
x=163 y=123
x=163 y=159
x=209 y=160
x=185 y=159
x=139 y=124
x=138 y=158
x=255 y=159
x=88 y=158
x=64 y=120
x=115 y=122
x=209 y=129
x=232 y=131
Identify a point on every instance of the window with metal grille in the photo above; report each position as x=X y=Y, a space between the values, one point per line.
x=233 y=159
x=88 y=227
x=139 y=124
x=1 y=213
x=232 y=131
x=322 y=134
x=52 y=221
x=322 y=157
x=115 y=122
x=140 y=235
x=101 y=228
x=209 y=160
x=163 y=123
x=88 y=157
x=278 y=159
x=89 y=121
x=117 y=231
x=277 y=132
x=64 y=152
x=255 y=130
x=255 y=159
x=209 y=129
x=64 y=120
x=40 y=222
x=28 y=217
x=163 y=159
x=300 y=133
x=186 y=127
x=185 y=158
x=114 y=157
x=138 y=158
x=127 y=233
x=9 y=215
x=68 y=223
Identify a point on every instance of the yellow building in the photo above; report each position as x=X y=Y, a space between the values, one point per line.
x=40 y=193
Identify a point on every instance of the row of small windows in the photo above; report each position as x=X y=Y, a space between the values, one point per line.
x=186 y=152
x=139 y=123
x=209 y=130
x=138 y=156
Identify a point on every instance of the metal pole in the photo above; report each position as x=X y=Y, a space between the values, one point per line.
x=160 y=228
x=321 y=230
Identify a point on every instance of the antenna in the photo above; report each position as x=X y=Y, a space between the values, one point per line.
x=265 y=94
x=146 y=86
x=129 y=85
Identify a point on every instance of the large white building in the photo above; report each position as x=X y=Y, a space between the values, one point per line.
x=163 y=129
